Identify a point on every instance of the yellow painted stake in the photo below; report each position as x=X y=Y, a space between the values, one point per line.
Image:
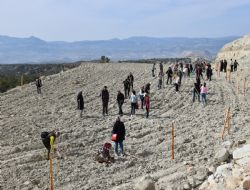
x=172 y=142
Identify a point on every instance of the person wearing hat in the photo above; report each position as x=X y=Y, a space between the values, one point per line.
x=48 y=139
x=119 y=132
x=105 y=100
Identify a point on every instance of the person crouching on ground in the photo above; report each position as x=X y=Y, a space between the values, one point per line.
x=103 y=155
x=119 y=132
x=48 y=139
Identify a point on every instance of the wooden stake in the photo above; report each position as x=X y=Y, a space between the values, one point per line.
x=229 y=76
x=245 y=86
x=172 y=142
x=227 y=122
x=51 y=174
x=22 y=80
x=238 y=88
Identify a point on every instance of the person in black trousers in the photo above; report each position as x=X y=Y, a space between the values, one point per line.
x=196 y=91
x=120 y=100
x=39 y=85
x=119 y=131
x=80 y=102
x=126 y=88
x=105 y=100
x=169 y=75
x=131 y=81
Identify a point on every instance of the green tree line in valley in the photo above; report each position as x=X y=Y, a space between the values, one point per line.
x=11 y=81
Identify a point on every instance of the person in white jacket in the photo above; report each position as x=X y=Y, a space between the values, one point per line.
x=133 y=100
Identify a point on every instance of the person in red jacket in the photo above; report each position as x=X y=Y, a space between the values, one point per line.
x=147 y=104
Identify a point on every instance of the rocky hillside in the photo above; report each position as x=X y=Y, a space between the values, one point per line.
x=24 y=115
x=238 y=49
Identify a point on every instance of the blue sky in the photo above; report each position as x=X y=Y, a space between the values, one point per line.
x=73 y=20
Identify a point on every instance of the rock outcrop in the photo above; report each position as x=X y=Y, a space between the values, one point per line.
x=238 y=49
x=233 y=175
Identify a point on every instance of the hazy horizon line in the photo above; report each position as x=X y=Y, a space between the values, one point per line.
x=119 y=38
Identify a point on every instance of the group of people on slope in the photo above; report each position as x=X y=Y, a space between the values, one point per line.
x=233 y=65
x=143 y=96
x=128 y=84
x=200 y=90
x=103 y=154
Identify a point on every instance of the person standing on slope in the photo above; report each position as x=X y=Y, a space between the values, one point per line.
x=225 y=66
x=119 y=131
x=177 y=83
x=105 y=100
x=209 y=73
x=203 y=93
x=147 y=104
x=161 y=67
x=169 y=75
x=235 y=65
x=48 y=139
x=141 y=95
x=153 y=70
x=133 y=100
x=160 y=79
x=131 y=81
x=39 y=85
x=232 y=66
x=120 y=100
x=80 y=102
x=196 y=91
x=126 y=88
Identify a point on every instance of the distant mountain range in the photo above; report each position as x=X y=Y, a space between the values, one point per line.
x=35 y=50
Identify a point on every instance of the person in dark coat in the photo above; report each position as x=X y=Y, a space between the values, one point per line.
x=131 y=81
x=126 y=88
x=225 y=66
x=221 y=65
x=232 y=66
x=39 y=85
x=147 y=104
x=153 y=70
x=196 y=91
x=80 y=102
x=161 y=67
x=119 y=131
x=169 y=75
x=120 y=100
x=209 y=73
x=105 y=100
x=235 y=65
x=147 y=88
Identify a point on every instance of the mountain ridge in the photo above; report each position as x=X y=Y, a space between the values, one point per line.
x=36 y=50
